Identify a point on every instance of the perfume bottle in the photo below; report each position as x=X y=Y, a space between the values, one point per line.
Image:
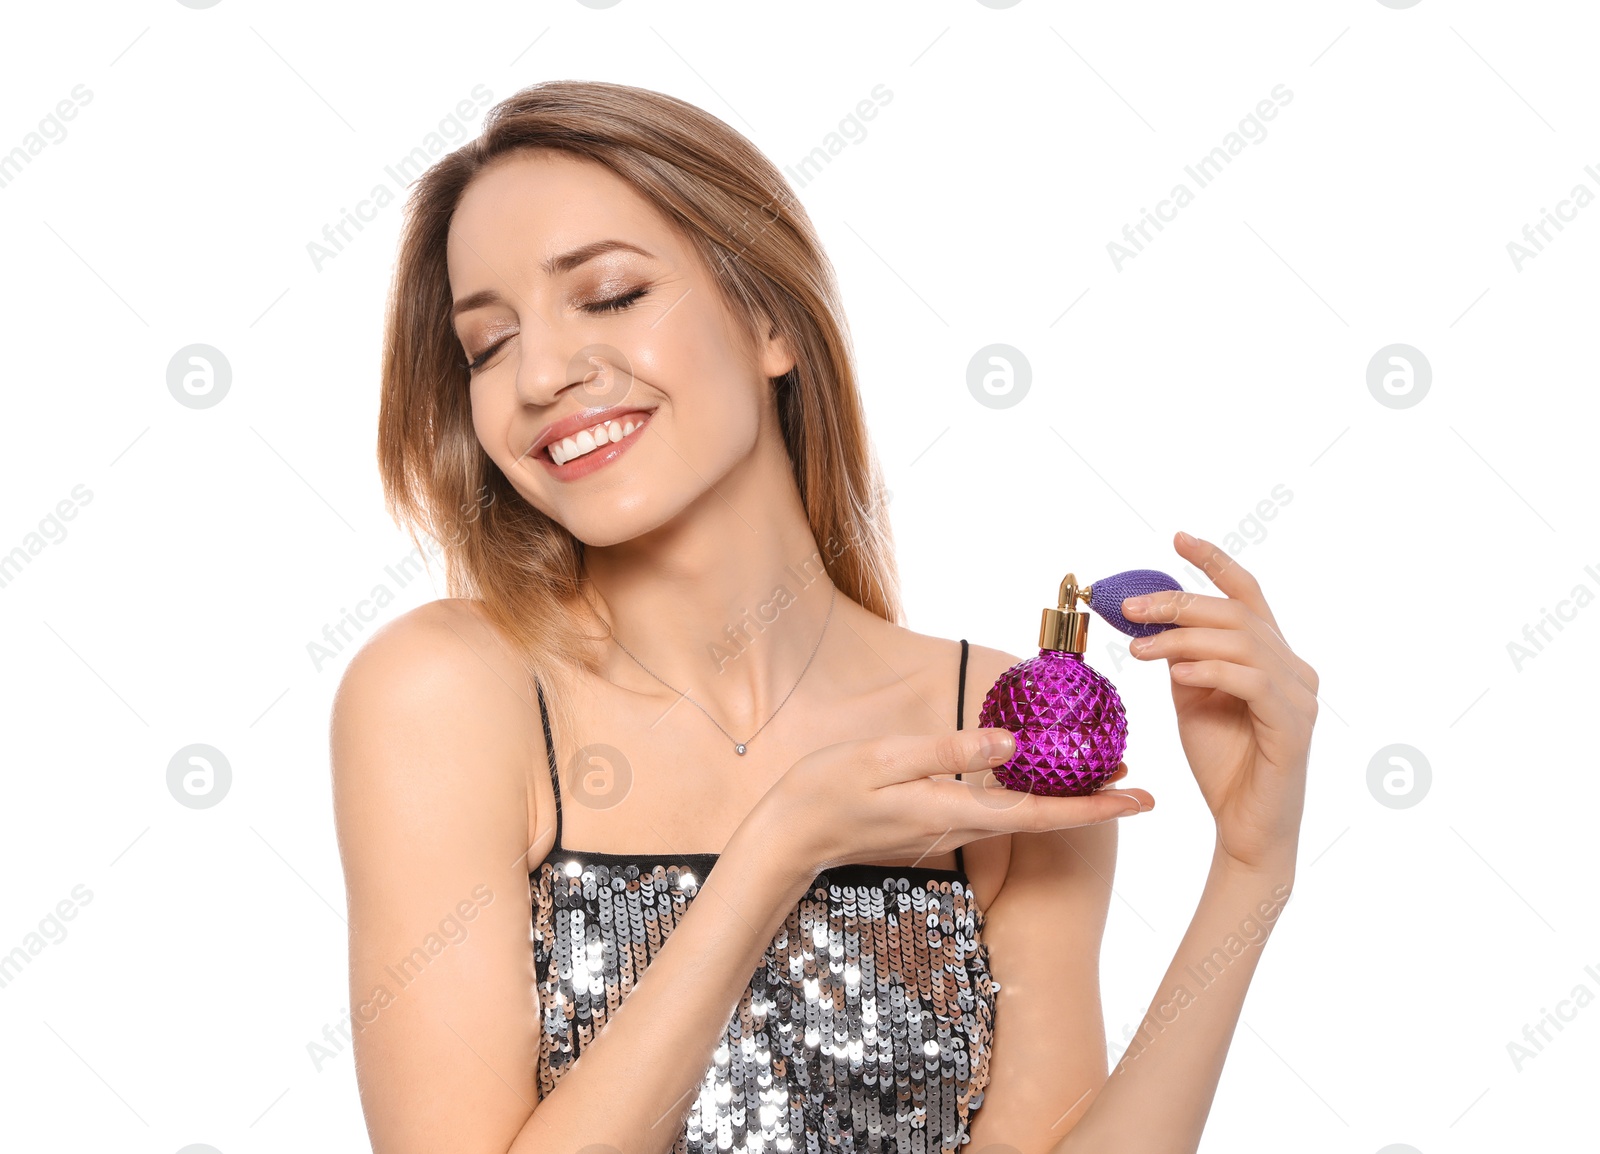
x=1070 y=725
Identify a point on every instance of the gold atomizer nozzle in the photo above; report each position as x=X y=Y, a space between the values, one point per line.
x=1065 y=627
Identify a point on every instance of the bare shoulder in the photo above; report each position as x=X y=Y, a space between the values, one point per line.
x=941 y=657
x=453 y=629
x=432 y=692
x=984 y=667
x=430 y=808
x=444 y=650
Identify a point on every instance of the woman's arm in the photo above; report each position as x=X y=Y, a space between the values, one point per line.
x=1158 y=1097
x=430 y=784
x=1050 y=1091
x=1043 y=930
x=1246 y=705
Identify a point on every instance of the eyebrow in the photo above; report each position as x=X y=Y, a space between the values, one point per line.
x=565 y=262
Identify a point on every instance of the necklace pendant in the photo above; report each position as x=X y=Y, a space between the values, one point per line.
x=739 y=748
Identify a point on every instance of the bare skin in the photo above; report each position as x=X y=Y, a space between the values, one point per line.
x=442 y=791
x=692 y=529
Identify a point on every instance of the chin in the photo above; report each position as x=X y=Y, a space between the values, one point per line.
x=602 y=522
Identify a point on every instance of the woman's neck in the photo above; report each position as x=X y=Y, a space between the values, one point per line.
x=716 y=608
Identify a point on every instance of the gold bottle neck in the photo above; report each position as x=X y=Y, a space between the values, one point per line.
x=1065 y=632
x=1065 y=627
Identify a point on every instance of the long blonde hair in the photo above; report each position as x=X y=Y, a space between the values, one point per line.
x=743 y=220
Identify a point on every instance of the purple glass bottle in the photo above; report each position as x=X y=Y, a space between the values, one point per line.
x=1069 y=721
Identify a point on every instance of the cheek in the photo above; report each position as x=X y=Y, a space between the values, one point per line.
x=697 y=363
x=491 y=424
x=724 y=429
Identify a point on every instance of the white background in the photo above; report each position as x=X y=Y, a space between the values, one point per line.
x=1228 y=358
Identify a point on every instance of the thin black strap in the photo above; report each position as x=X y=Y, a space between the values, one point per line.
x=550 y=753
x=961 y=693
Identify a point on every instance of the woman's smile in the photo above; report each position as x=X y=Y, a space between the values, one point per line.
x=591 y=448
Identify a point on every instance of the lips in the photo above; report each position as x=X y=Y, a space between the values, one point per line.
x=583 y=419
x=583 y=464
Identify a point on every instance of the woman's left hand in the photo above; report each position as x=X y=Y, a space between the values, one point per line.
x=1245 y=706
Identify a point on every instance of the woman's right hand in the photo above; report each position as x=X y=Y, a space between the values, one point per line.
x=895 y=797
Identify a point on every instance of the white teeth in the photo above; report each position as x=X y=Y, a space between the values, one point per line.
x=587 y=440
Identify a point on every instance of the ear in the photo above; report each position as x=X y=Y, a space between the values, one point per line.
x=776 y=354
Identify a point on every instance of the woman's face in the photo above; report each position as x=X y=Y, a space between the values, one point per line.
x=561 y=328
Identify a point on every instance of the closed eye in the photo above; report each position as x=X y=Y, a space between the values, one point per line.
x=611 y=305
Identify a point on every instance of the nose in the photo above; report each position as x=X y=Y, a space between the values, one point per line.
x=598 y=374
x=556 y=359
x=543 y=365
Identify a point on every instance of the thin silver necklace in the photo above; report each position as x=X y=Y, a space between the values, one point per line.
x=740 y=746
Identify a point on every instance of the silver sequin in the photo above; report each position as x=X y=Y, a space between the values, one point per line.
x=865 y=1028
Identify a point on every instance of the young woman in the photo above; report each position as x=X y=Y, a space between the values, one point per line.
x=664 y=786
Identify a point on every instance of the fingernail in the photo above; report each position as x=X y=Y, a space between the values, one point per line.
x=998 y=747
x=1137 y=808
x=1185 y=538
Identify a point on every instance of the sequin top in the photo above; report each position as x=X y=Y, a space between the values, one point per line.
x=866 y=1026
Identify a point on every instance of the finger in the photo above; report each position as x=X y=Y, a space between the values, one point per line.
x=986 y=791
x=1181 y=607
x=1195 y=643
x=1241 y=586
x=996 y=808
x=988 y=778
x=1250 y=648
x=1226 y=574
x=1197 y=610
x=1238 y=646
x=1251 y=685
x=894 y=758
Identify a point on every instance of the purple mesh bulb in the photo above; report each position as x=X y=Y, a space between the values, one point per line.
x=1107 y=595
x=1070 y=724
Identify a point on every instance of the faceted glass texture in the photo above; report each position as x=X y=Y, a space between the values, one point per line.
x=1069 y=722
